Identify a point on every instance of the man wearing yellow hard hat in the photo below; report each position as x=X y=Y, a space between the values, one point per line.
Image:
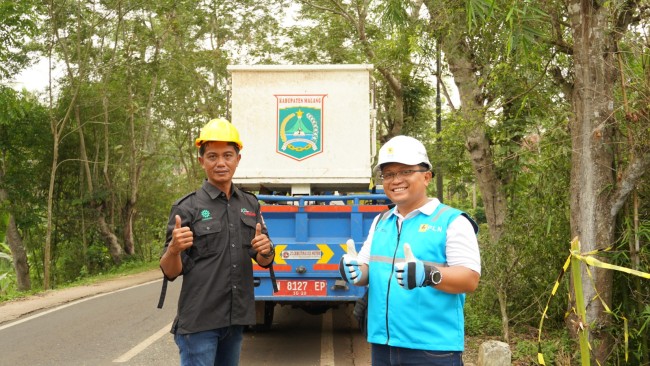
x=212 y=234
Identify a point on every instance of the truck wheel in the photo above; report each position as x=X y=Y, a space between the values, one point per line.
x=316 y=309
x=269 y=309
x=264 y=315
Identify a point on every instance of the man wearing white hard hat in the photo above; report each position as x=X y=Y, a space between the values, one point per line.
x=419 y=260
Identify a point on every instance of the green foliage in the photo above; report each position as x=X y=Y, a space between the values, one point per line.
x=7 y=277
x=17 y=29
x=481 y=319
x=129 y=266
x=7 y=283
x=136 y=113
x=631 y=296
x=143 y=78
x=478 y=11
x=556 y=348
x=531 y=152
x=529 y=257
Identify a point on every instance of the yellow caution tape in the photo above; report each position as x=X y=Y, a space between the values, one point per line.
x=588 y=259
x=607 y=309
x=540 y=356
x=597 y=263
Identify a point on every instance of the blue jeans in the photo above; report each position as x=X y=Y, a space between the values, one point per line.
x=218 y=347
x=383 y=355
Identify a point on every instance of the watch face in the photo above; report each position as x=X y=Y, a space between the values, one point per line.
x=436 y=276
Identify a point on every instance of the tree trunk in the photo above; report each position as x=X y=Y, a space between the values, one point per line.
x=592 y=162
x=477 y=143
x=502 y=295
x=491 y=187
x=19 y=256
x=21 y=265
x=15 y=241
x=138 y=145
x=114 y=247
x=56 y=127
x=110 y=239
x=47 y=251
x=129 y=216
x=134 y=179
x=463 y=69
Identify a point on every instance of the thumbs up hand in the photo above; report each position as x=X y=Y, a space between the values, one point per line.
x=182 y=237
x=410 y=273
x=349 y=265
x=261 y=243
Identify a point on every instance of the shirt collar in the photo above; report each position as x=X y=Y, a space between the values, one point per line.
x=427 y=209
x=215 y=192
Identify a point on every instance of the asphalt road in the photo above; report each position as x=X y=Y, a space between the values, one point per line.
x=124 y=327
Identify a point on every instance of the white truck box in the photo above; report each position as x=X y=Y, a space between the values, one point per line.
x=306 y=129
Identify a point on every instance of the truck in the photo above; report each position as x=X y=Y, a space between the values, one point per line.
x=309 y=136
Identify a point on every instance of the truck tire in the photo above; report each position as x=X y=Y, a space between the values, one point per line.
x=264 y=315
x=269 y=309
x=316 y=309
x=360 y=312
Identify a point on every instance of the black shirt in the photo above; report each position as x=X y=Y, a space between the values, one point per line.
x=217 y=288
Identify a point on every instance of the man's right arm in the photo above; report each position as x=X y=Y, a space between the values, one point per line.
x=182 y=238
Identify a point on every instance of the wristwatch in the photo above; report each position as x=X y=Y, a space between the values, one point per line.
x=434 y=276
x=270 y=254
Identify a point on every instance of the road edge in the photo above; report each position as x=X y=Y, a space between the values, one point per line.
x=15 y=309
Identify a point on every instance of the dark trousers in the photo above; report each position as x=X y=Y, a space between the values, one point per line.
x=210 y=348
x=383 y=355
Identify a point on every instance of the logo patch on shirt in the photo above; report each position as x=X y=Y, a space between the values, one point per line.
x=247 y=213
x=425 y=227
x=205 y=214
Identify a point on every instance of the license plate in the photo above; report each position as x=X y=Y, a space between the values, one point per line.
x=301 y=288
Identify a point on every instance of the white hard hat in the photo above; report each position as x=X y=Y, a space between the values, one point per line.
x=403 y=149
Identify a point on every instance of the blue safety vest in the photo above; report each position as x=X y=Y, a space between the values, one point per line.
x=423 y=318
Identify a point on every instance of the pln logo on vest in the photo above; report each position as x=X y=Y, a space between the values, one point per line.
x=300 y=125
x=426 y=227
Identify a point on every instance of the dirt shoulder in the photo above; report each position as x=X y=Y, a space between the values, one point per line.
x=12 y=310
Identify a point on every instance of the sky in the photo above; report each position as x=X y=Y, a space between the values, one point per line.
x=33 y=78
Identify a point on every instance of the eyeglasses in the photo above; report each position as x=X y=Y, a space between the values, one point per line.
x=402 y=173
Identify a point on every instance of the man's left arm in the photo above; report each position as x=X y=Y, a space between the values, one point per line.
x=458 y=280
x=261 y=243
x=463 y=270
x=463 y=257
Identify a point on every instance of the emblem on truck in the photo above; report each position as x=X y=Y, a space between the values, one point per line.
x=300 y=125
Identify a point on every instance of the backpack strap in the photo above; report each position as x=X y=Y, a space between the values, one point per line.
x=384 y=214
x=254 y=200
x=474 y=224
x=163 y=289
x=163 y=293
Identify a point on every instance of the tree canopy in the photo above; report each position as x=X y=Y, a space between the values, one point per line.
x=544 y=132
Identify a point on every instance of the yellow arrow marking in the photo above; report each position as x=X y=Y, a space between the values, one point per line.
x=327 y=253
x=278 y=253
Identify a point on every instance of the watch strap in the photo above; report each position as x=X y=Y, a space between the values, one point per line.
x=433 y=276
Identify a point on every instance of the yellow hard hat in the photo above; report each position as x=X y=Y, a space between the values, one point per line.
x=219 y=130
